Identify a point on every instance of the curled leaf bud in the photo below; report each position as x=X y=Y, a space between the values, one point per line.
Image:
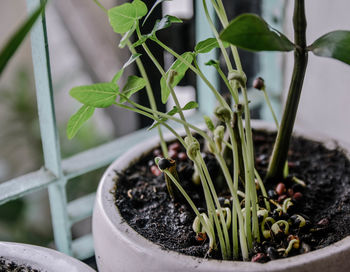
x=219 y=136
x=193 y=147
x=223 y=114
x=209 y=123
x=259 y=83
x=241 y=78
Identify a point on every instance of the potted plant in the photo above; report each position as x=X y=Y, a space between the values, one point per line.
x=23 y=257
x=242 y=212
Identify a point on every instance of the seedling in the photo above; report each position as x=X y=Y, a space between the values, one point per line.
x=232 y=230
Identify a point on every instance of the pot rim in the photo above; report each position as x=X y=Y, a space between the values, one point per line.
x=42 y=258
x=105 y=199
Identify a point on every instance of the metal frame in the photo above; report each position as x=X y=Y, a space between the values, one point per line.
x=56 y=172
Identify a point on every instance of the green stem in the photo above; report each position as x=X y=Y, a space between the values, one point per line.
x=150 y=96
x=280 y=150
x=101 y=6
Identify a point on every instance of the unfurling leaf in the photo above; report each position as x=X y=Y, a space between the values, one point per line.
x=100 y=95
x=180 y=69
x=122 y=18
x=78 y=119
x=190 y=105
x=133 y=85
x=165 y=22
x=251 y=32
x=335 y=44
x=207 y=45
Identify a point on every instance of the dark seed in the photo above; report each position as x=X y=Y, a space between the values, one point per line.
x=290 y=192
x=272 y=253
x=164 y=164
x=260 y=257
x=280 y=188
x=297 y=196
x=258 y=83
x=155 y=170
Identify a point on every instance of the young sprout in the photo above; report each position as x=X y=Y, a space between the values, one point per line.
x=266 y=232
x=294 y=242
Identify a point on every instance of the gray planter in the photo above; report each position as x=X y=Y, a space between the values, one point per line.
x=119 y=248
x=40 y=258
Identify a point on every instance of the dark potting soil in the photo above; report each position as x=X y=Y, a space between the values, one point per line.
x=10 y=266
x=144 y=203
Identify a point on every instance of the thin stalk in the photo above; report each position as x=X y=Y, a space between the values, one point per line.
x=249 y=139
x=268 y=102
x=150 y=96
x=211 y=208
x=207 y=227
x=236 y=206
x=101 y=6
x=220 y=99
x=280 y=150
x=162 y=72
x=263 y=190
x=217 y=203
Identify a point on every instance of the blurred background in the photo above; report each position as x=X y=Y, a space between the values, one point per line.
x=84 y=49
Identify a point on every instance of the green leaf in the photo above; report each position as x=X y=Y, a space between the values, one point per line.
x=251 y=32
x=151 y=10
x=212 y=63
x=180 y=69
x=16 y=39
x=126 y=64
x=100 y=95
x=163 y=23
x=335 y=44
x=122 y=18
x=124 y=40
x=133 y=85
x=207 y=45
x=172 y=112
x=190 y=105
x=78 y=119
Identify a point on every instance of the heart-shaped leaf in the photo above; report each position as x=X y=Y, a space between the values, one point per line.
x=251 y=32
x=207 y=45
x=78 y=119
x=335 y=44
x=100 y=95
x=180 y=68
x=133 y=85
x=122 y=18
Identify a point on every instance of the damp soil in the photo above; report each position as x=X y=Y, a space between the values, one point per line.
x=10 y=266
x=145 y=205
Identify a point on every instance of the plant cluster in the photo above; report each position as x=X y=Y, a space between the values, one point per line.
x=237 y=226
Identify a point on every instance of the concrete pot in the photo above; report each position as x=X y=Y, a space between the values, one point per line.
x=119 y=248
x=40 y=258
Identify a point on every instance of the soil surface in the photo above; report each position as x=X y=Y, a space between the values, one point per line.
x=324 y=203
x=10 y=266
